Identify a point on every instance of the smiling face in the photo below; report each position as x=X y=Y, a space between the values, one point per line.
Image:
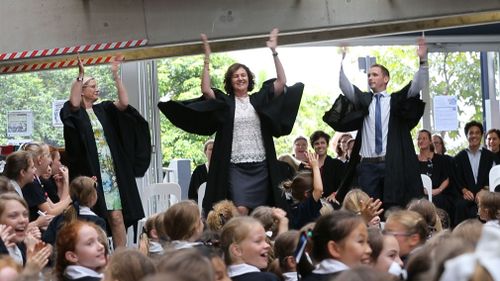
x=377 y=80
x=474 y=137
x=354 y=250
x=15 y=215
x=320 y=146
x=254 y=249
x=90 y=91
x=423 y=141
x=89 y=252
x=239 y=82
x=299 y=147
x=389 y=254
x=493 y=142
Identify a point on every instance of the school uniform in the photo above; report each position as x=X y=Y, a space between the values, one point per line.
x=327 y=269
x=81 y=273
x=304 y=212
x=18 y=253
x=84 y=214
x=246 y=272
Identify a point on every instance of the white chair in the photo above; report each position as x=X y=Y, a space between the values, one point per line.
x=201 y=195
x=160 y=196
x=427 y=182
x=494 y=177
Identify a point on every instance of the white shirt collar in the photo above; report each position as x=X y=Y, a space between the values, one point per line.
x=182 y=244
x=155 y=247
x=84 y=210
x=77 y=271
x=17 y=187
x=240 y=269
x=290 y=276
x=330 y=266
x=15 y=253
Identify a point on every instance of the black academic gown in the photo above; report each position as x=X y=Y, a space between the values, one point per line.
x=466 y=209
x=128 y=137
x=199 y=176
x=402 y=181
x=206 y=117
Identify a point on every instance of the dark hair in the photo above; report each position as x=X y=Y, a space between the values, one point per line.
x=493 y=131
x=338 y=148
x=384 y=69
x=430 y=137
x=229 y=74
x=17 y=162
x=317 y=135
x=332 y=227
x=300 y=184
x=473 y=123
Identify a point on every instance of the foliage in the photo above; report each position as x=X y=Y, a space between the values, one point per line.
x=37 y=90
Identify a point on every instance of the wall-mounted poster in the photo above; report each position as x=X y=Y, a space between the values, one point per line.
x=445 y=113
x=19 y=123
x=56 y=107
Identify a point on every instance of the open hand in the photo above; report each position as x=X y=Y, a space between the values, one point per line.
x=272 y=43
x=422 y=48
x=206 y=46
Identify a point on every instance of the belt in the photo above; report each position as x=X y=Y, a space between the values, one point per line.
x=379 y=159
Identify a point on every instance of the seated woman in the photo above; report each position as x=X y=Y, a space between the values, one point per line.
x=200 y=173
x=436 y=167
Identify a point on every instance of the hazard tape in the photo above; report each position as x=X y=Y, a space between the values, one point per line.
x=72 y=50
x=53 y=65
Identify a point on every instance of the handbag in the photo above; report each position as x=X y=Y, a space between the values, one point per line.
x=344 y=116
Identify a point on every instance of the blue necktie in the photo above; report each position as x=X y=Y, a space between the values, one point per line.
x=378 y=125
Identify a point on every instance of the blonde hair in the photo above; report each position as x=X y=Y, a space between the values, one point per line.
x=235 y=231
x=353 y=199
x=222 y=212
x=412 y=221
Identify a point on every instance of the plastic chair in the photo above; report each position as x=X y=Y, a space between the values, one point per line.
x=201 y=195
x=160 y=196
x=494 y=177
x=427 y=182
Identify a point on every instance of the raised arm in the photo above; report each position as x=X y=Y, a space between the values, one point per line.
x=345 y=85
x=122 y=102
x=206 y=87
x=317 y=191
x=280 y=82
x=423 y=71
x=75 y=97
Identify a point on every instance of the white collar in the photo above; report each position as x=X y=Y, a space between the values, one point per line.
x=182 y=244
x=84 y=210
x=487 y=254
x=290 y=276
x=240 y=269
x=77 y=271
x=15 y=254
x=17 y=187
x=155 y=247
x=328 y=266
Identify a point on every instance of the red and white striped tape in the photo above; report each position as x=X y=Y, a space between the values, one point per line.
x=73 y=50
x=52 y=65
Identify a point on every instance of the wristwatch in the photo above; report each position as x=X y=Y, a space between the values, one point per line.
x=80 y=79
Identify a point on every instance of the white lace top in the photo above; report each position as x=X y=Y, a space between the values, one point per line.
x=247 y=136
